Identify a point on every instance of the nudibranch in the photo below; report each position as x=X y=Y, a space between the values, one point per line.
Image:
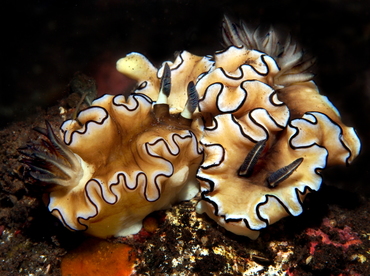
x=247 y=127
x=121 y=159
x=283 y=132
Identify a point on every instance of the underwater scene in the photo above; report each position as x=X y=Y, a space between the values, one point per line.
x=185 y=138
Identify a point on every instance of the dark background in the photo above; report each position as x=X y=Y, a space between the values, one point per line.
x=45 y=42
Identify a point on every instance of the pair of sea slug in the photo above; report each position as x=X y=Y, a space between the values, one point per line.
x=246 y=127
